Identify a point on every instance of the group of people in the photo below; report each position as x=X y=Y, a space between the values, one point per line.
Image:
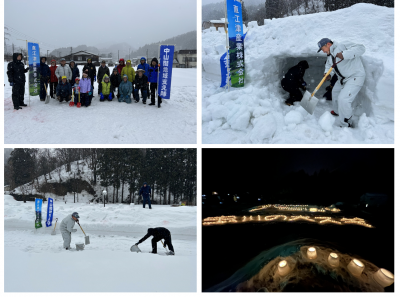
x=65 y=81
x=349 y=72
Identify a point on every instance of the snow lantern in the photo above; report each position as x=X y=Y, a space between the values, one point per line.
x=356 y=267
x=333 y=260
x=383 y=277
x=283 y=268
x=312 y=253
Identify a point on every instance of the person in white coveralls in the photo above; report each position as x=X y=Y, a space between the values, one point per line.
x=350 y=72
x=66 y=228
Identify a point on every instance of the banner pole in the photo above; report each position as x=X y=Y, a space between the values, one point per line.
x=227 y=48
x=27 y=59
x=158 y=72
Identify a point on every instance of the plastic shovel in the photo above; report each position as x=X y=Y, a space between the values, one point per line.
x=72 y=102
x=87 y=241
x=79 y=97
x=54 y=231
x=309 y=102
x=135 y=248
x=47 y=96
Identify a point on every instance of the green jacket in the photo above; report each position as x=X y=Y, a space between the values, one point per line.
x=106 y=87
x=128 y=70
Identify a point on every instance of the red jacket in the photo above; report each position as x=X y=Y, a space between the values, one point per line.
x=119 y=67
x=53 y=77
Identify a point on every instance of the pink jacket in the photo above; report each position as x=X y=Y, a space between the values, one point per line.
x=85 y=84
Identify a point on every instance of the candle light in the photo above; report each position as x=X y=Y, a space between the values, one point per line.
x=383 y=277
x=312 y=253
x=356 y=267
x=283 y=268
x=333 y=260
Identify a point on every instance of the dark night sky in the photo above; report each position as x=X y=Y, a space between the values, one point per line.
x=256 y=169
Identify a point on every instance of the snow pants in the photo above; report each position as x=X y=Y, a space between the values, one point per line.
x=146 y=200
x=53 y=88
x=343 y=96
x=125 y=98
x=293 y=89
x=153 y=87
x=86 y=99
x=43 y=90
x=144 y=94
x=67 y=238
x=167 y=241
x=18 y=91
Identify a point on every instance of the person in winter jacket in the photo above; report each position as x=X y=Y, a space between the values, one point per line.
x=64 y=90
x=128 y=70
x=115 y=81
x=91 y=70
x=63 y=70
x=153 y=76
x=67 y=227
x=293 y=81
x=350 y=72
x=86 y=89
x=16 y=77
x=121 y=66
x=75 y=72
x=103 y=69
x=53 y=78
x=44 y=71
x=76 y=91
x=106 y=89
x=328 y=93
x=141 y=81
x=125 y=90
x=143 y=65
x=158 y=234
x=145 y=191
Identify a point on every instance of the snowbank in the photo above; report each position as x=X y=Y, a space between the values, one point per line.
x=37 y=260
x=105 y=122
x=270 y=50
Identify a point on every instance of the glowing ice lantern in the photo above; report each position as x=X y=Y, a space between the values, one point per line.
x=356 y=267
x=283 y=268
x=311 y=253
x=333 y=260
x=384 y=277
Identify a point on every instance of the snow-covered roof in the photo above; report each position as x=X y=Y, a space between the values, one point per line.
x=84 y=53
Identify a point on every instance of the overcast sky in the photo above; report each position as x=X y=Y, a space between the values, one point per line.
x=98 y=22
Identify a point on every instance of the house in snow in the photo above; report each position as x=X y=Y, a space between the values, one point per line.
x=80 y=58
x=185 y=59
x=214 y=23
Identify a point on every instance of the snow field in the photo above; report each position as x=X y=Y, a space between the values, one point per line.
x=257 y=113
x=105 y=122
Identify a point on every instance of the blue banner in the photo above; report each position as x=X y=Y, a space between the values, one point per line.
x=34 y=63
x=165 y=74
x=224 y=70
x=236 y=45
x=38 y=211
x=49 y=219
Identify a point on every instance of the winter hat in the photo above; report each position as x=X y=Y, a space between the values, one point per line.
x=323 y=42
x=106 y=77
x=45 y=59
x=53 y=61
x=62 y=59
x=140 y=70
x=64 y=77
x=128 y=61
x=125 y=76
x=103 y=62
x=144 y=183
x=121 y=60
x=143 y=58
x=115 y=69
x=77 y=79
x=75 y=214
x=89 y=59
x=303 y=64
x=154 y=59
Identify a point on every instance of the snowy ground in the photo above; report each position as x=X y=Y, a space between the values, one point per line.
x=36 y=259
x=257 y=113
x=105 y=122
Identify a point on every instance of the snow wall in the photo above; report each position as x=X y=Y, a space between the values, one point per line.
x=270 y=50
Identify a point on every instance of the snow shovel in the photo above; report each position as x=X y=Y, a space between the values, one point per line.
x=72 y=102
x=86 y=237
x=309 y=102
x=47 y=96
x=135 y=248
x=79 y=98
x=54 y=231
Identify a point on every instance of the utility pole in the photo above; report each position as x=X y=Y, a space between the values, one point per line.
x=47 y=55
x=118 y=55
x=71 y=54
x=147 y=55
x=129 y=53
x=13 y=48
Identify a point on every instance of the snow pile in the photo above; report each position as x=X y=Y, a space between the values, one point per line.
x=30 y=254
x=270 y=50
x=105 y=122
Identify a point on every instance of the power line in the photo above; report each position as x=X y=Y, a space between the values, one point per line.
x=20 y=34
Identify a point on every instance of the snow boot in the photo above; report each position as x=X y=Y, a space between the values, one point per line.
x=289 y=102
x=16 y=108
x=334 y=113
x=152 y=104
x=23 y=104
x=349 y=123
x=42 y=99
x=144 y=102
x=159 y=105
x=171 y=253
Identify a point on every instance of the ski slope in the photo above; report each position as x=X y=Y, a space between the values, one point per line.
x=257 y=113
x=36 y=262
x=105 y=122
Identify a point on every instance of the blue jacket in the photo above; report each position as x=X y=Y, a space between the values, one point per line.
x=75 y=72
x=153 y=71
x=44 y=71
x=63 y=90
x=145 y=191
x=144 y=66
x=125 y=88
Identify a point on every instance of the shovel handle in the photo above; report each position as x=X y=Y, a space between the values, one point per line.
x=55 y=224
x=164 y=245
x=81 y=228
x=323 y=80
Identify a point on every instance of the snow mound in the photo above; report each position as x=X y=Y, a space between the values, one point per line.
x=326 y=121
x=271 y=49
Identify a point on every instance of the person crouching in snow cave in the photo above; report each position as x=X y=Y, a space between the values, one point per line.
x=75 y=88
x=44 y=71
x=64 y=90
x=103 y=70
x=53 y=78
x=128 y=70
x=125 y=90
x=16 y=77
x=351 y=75
x=145 y=191
x=86 y=89
x=105 y=88
x=158 y=234
x=153 y=76
x=140 y=84
x=115 y=81
x=66 y=228
x=293 y=80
